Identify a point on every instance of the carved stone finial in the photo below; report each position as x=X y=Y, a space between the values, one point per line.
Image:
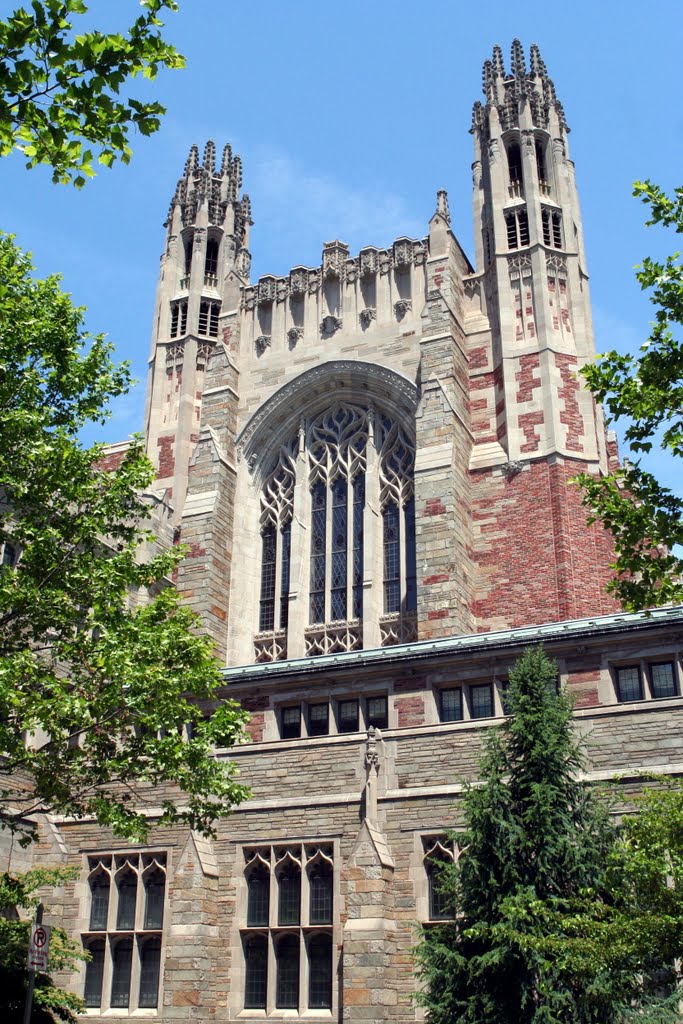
x=497 y=64
x=442 y=207
x=517 y=60
x=209 y=161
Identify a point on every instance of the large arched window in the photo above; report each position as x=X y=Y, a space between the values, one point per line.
x=349 y=472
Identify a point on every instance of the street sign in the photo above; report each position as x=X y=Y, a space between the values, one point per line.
x=38 y=947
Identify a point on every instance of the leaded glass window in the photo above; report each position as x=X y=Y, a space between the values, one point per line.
x=122 y=962
x=267 y=610
x=629 y=684
x=318 y=553
x=289 y=894
x=150 y=963
x=100 y=885
x=339 y=549
x=256 y=974
x=320 y=972
x=287 y=987
x=94 y=974
x=438 y=856
x=663 y=680
x=127 y=885
x=358 y=513
x=392 y=559
x=258 y=899
x=155 y=887
x=320 y=893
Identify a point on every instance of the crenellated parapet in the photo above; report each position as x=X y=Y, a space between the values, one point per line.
x=378 y=287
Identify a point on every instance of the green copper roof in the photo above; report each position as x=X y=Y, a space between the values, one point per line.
x=471 y=642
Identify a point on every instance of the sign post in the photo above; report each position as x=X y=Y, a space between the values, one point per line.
x=38 y=951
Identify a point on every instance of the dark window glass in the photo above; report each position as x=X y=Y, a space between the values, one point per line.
x=376 y=712
x=211 y=262
x=318 y=719
x=320 y=972
x=256 y=979
x=175 y=312
x=127 y=884
x=320 y=889
x=339 y=548
x=440 y=906
x=203 y=317
x=188 y=256
x=481 y=701
x=287 y=984
x=9 y=555
x=511 y=227
x=545 y=217
x=99 y=902
x=289 y=895
x=183 y=317
x=629 y=684
x=318 y=516
x=358 y=511
x=557 y=230
x=267 y=604
x=663 y=679
x=540 y=160
x=150 y=962
x=450 y=703
x=515 y=162
x=348 y=716
x=155 y=885
x=213 y=319
x=523 y=221
x=290 y=723
x=94 y=972
x=286 y=538
x=122 y=960
x=411 y=573
x=392 y=559
x=258 y=897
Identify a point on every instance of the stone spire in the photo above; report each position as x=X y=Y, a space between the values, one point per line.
x=507 y=92
x=217 y=190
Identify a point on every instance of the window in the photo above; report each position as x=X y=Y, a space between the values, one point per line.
x=481 y=701
x=347 y=716
x=318 y=719
x=629 y=684
x=514 y=162
x=540 y=162
x=211 y=260
x=517 y=227
x=208 y=318
x=178 y=319
x=125 y=921
x=437 y=856
x=376 y=713
x=290 y=723
x=663 y=680
x=287 y=941
x=9 y=554
x=450 y=705
x=327 y=467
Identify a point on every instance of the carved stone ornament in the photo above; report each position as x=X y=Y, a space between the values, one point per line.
x=298 y=282
x=366 y=316
x=402 y=307
x=555 y=262
x=476 y=174
x=494 y=151
x=369 y=262
x=243 y=263
x=512 y=468
x=281 y=289
x=372 y=758
x=266 y=290
x=420 y=254
x=384 y=262
x=403 y=253
x=174 y=352
x=313 y=281
x=335 y=255
x=262 y=343
x=249 y=298
x=351 y=271
x=330 y=324
x=295 y=334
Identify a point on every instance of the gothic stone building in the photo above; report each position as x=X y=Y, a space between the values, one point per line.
x=370 y=461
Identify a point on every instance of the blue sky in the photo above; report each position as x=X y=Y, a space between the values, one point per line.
x=348 y=118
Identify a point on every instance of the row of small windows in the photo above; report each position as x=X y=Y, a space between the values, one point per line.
x=656 y=681
x=514 y=155
x=207 y=327
x=127 y=895
x=350 y=715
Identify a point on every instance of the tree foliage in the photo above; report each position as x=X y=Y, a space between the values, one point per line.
x=646 y=390
x=61 y=91
x=101 y=689
x=21 y=892
x=536 y=850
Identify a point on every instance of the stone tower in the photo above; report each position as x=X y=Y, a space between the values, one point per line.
x=205 y=263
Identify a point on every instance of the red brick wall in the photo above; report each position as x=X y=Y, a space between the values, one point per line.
x=536 y=559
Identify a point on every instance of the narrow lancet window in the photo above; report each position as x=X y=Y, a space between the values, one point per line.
x=318 y=516
x=358 y=512
x=267 y=609
x=286 y=535
x=392 y=559
x=339 y=548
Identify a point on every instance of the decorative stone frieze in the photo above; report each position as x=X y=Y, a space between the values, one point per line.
x=403 y=253
x=384 y=262
x=369 y=261
x=333 y=638
x=267 y=287
x=335 y=255
x=270 y=646
x=281 y=289
x=298 y=282
x=313 y=281
x=351 y=271
x=555 y=262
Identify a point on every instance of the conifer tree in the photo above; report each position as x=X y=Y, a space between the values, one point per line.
x=534 y=834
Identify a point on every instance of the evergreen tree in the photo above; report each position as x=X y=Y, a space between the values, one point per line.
x=535 y=836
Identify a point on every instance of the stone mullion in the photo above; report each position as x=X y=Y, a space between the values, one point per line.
x=350 y=522
x=372 y=550
x=299 y=560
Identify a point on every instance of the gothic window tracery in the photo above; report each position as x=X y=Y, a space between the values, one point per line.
x=343 y=459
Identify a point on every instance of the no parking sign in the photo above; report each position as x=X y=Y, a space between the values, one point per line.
x=38 y=947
